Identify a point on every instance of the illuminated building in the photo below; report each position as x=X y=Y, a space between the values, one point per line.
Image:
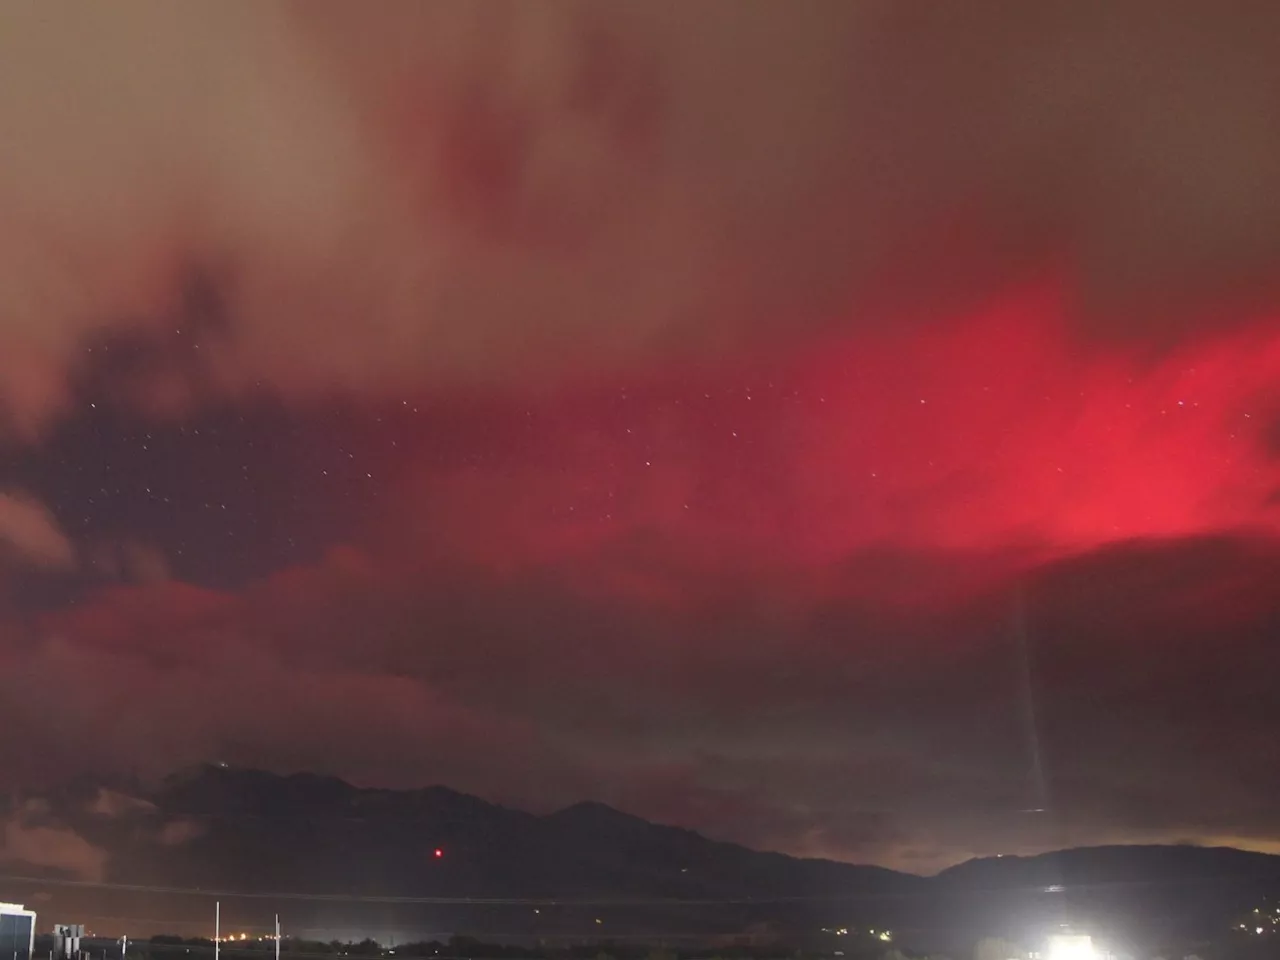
x=17 y=931
x=66 y=941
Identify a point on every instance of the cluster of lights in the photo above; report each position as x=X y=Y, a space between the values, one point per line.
x=1263 y=920
x=883 y=935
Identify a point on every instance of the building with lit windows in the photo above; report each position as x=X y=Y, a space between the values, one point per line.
x=17 y=931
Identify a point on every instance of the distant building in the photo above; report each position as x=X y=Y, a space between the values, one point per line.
x=66 y=941
x=17 y=931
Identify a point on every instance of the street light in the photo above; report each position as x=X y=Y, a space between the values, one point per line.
x=1065 y=946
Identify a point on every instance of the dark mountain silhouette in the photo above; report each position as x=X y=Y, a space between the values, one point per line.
x=1114 y=866
x=1169 y=896
x=414 y=864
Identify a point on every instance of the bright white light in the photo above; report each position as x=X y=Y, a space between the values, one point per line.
x=1072 y=947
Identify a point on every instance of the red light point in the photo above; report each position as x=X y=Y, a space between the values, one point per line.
x=439 y=853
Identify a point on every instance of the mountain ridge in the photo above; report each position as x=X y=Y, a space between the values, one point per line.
x=403 y=863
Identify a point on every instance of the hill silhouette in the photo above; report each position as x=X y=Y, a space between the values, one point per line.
x=341 y=861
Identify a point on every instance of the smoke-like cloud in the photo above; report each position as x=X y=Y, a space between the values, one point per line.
x=29 y=534
x=27 y=841
x=113 y=805
x=418 y=192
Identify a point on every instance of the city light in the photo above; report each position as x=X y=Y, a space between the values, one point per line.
x=1071 y=947
x=1261 y=921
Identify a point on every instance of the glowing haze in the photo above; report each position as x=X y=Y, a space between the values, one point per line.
x=689 y=407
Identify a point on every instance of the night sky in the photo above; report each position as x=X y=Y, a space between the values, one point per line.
x=843 y=430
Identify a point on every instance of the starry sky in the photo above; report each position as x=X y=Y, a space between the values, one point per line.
x=483 y=396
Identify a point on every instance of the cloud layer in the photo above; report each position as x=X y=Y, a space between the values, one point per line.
x=29 y=534
x=436 y=193
x=1138 y=675
x=679 y=501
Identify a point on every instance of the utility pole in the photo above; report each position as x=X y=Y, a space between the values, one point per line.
x=277 y=936
x=217 y=927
